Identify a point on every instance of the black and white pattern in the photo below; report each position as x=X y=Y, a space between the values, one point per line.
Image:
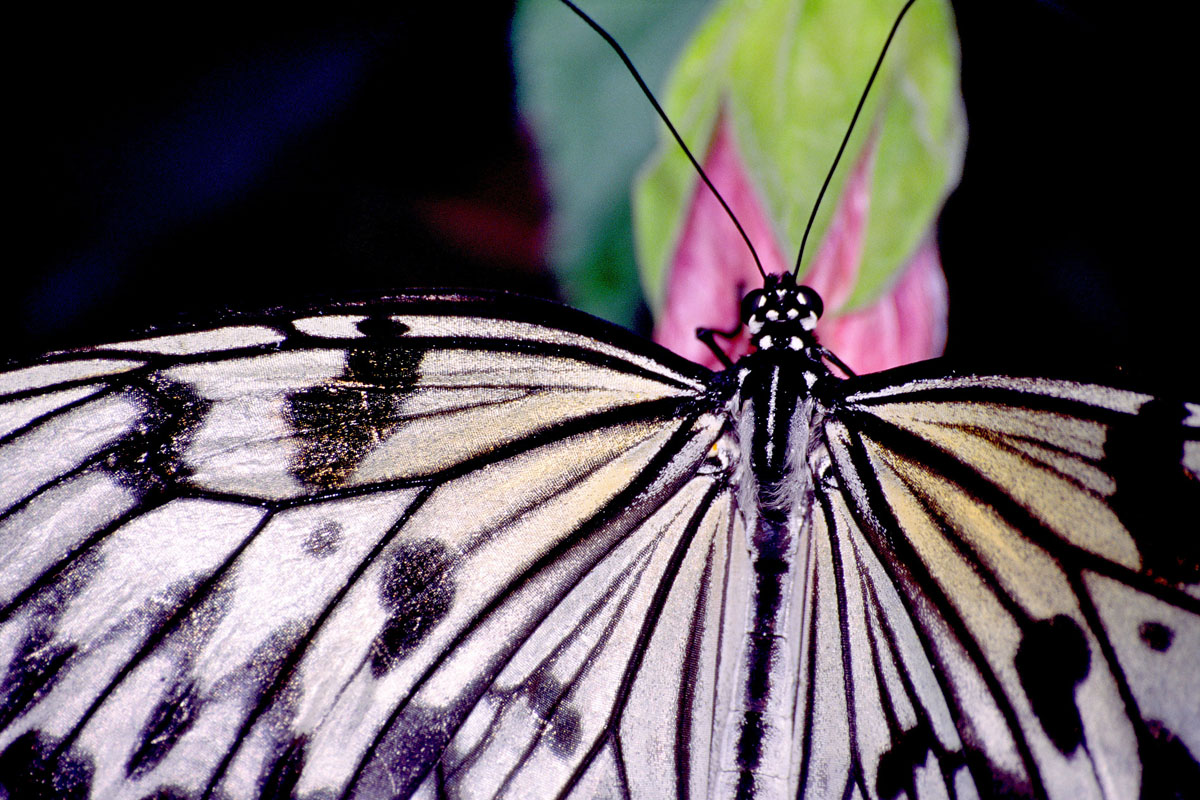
x=448 y=546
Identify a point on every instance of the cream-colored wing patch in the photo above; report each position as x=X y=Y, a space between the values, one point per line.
x=1099 y=396
x=541 y=335
x=44 y=375
x=340 y=326
x=1027 y=471
x=210 y=341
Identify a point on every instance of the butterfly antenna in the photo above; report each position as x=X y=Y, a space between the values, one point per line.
x=679 y=139
x=850 y=129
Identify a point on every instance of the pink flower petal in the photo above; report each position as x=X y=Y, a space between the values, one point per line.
x=834 y=271
x=712 y=268
x=711 y=261
x=906 y=324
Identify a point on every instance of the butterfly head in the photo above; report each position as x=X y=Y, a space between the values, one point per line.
x=781 y=315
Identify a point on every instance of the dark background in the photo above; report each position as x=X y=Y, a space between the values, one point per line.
x=229 y=155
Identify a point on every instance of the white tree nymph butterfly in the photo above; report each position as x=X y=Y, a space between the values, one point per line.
x=463 y=545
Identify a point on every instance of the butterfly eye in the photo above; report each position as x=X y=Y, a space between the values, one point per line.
x=808 y=297
x=751 y=303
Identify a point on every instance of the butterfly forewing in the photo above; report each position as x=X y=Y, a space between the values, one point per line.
x=268 y=555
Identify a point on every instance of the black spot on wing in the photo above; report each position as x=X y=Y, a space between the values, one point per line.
x=149 y=458
x=338 y=423
x=1169 y=769
x=565 y=731
x=1156 y=636
x=564 y=722
x=406 y=753
x=324 y=539
x=31 y=769
x=1155 y=493
x=417 y=591
x=284 y=771
x=1052 y=658
x=543 y=693
x=382 y=327
x=898 y=765
x=32 y=673
x=170 y=720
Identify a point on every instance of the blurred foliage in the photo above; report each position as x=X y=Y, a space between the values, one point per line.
x=593 y=129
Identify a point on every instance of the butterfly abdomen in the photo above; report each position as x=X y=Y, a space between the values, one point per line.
x=776 y=440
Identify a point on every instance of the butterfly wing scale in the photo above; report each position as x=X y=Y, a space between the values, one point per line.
x=584 y=698
x=869 y=694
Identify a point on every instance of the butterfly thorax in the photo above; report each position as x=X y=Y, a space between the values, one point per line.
x=775 y=382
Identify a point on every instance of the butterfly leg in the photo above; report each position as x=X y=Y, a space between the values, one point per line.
x=837 y=362
x=708 y=335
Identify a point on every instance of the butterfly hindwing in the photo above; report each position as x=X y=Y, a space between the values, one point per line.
x=873 y=719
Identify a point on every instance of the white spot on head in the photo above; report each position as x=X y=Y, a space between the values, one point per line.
x=794 y=343
x=780 y=293
x=764 y=342
x=792 y=313
x=755 y=325
x=772 y=315
x=760 y=302
x=809 y=322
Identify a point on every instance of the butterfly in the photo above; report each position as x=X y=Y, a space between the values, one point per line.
x=453 y=545
x=447 y=546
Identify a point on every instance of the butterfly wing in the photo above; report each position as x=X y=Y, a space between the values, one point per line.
x=1040 y=537
x=872 y=719
x=440 y=544
x=408 y=545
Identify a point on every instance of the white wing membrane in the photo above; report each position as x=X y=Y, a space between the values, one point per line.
x=56 y=373
x=872 y=718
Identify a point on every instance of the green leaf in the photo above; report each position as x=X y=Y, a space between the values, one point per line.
x=788 y=74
